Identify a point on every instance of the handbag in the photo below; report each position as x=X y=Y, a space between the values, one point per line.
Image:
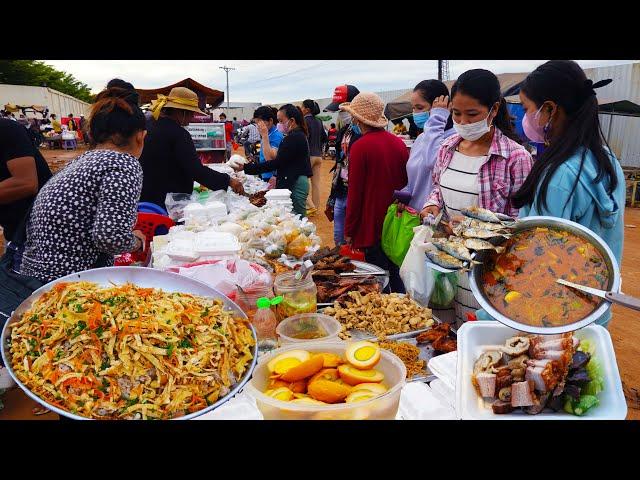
x=397 y=233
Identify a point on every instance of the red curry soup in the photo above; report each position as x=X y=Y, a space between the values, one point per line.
x=521 y=282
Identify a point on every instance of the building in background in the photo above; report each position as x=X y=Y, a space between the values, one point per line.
x=57 y=102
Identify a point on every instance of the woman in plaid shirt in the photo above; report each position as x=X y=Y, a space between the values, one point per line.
x=482 y=165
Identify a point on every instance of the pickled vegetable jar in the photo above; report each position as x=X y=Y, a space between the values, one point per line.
x=299 y=296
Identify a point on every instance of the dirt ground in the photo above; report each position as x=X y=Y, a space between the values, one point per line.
x=623 y=328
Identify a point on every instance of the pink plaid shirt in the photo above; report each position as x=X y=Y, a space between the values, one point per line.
x=499 y=177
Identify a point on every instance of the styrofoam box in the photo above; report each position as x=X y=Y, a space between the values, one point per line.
x=181 y=249
x=216 y=243
x=278 y=193
x=472 y=336
x=216 y=209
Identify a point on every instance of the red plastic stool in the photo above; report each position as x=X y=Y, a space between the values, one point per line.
x=148 y=224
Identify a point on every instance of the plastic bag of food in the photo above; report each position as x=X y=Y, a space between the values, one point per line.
x=445 y=286
x=176 y=203
x=298 y=246
x=414 y=272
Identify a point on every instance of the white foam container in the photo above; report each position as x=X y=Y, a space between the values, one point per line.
x=472 y=336
x=216 y=243
x=278 y=194
x=181 y=249
x=215 y=209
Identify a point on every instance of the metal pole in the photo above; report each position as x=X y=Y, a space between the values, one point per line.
x=440 y=70
x=226 y=69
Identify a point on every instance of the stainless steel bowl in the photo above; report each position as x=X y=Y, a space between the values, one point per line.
x=475 y=276
x=142 y=277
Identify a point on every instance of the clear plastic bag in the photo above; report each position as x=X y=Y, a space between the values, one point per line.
x=414 y=272
x=298 y=246
x=176 y=202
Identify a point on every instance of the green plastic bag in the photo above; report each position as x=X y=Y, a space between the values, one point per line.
x=397 y=233
x=444 y=289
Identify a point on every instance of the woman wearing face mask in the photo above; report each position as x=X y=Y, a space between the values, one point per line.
x=169 y=160
x=577 y=177
x=292 y=159
x=317 y=137
x=430 y=101
x=85 y=214
x=482 y=165
x=271 y=135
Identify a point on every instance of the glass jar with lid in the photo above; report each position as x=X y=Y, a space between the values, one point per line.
x=298 y=296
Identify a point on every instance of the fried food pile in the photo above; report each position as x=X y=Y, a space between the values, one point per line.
x=258 y=199
x=126 y=352
x=379 y=314
x=440 y=338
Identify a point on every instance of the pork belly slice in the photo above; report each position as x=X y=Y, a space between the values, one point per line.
x=487 y=384
x=522 y=394
x=552 y=346
x=545 y=374
x=539 y=339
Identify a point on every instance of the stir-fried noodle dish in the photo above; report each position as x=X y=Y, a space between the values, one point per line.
x=126 y=352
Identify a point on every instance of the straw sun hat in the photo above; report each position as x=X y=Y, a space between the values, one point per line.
x=367 y=108
x=179 y=97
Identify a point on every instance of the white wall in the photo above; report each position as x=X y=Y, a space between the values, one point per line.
x=57 y=102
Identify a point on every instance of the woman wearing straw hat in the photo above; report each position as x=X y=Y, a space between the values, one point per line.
x=169 y=160
x=377 y=167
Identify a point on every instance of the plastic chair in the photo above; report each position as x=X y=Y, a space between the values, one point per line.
x=148 y=207
x=150 y=224
x=69 y=144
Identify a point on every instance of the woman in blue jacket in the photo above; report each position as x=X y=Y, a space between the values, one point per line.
x=577 y=177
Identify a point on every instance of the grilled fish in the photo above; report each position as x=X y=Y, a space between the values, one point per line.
x=483 y=234
x=486 y=215
x=445 y=260
x=453 y=248
x=479 y=244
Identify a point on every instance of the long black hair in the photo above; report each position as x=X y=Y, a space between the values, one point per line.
x=115 y=117
x=484 y=86
x=565 y=83
x=429 y=90
x=291 y=111
x=266 y=113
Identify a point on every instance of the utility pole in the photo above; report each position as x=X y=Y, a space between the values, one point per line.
x=440 y=70
x=443 y=70
x=226 y=69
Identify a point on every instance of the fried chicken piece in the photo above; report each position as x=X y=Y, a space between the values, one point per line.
x=445 y=345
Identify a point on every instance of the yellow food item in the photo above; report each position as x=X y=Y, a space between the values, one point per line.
x=375 y=388
x=354 y=376
x=288 y=360
x=363 y=355
x=281 y=393
x=276 y=383
x=360 y=396
x=330 y=374
x=328 y=392
x=511 y=296
x=331 y=360
x=304 y=369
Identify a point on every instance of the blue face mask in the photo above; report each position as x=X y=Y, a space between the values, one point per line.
x=420 y=118
x=356 y=129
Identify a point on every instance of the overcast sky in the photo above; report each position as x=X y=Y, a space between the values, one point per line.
x=276 y=81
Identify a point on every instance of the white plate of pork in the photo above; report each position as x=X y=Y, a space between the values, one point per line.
x=505 y=374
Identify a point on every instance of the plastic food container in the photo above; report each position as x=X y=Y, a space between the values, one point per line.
x=181 y=249
x=215 y=210
x=216 y=243
x=316 y=327
x=384 y=407
x=472 y=336
x=299 y=296
x=278 y=194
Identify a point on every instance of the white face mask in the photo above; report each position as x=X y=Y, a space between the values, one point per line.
x=473 y=131
x=344 y=117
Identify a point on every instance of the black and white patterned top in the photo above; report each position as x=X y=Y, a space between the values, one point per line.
x=83 y=216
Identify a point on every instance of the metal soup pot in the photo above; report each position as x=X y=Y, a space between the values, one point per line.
x=141 y=277
x=476 y=274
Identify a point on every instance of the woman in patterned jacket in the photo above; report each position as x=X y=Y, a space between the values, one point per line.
x=86 y=214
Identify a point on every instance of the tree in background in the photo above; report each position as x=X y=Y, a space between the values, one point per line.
x=38 y=74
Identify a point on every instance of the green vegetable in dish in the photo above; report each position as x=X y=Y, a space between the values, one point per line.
x=585 y=403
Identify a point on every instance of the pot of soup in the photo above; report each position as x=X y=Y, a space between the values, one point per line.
x=518 y=286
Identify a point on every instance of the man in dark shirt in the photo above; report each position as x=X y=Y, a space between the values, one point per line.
x=169 y=160
x=23 y=171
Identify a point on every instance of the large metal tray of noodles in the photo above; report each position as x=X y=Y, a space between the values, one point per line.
x=141 y=277
x=527 y=223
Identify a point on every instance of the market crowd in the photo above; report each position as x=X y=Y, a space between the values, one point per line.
x=467 y=153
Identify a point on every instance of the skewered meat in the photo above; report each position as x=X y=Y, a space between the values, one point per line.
x=522 y=394
x=487 y=384
x=501 y=407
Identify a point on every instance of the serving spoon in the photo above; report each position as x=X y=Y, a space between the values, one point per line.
x=612 y=297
